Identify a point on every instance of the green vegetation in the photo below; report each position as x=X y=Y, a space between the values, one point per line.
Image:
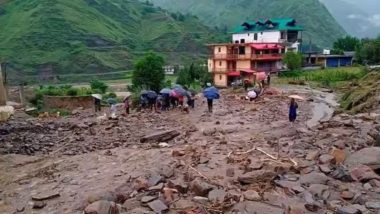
x=362 y=95
x=368 y=52
x=347 y=43
x=293 y=60
x=194 y=76
x=98 y=86
x=149 y=72
x=319 y=25
x=325 y=78
x=50 y=38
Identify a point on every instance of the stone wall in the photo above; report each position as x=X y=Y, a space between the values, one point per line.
x=68 y=102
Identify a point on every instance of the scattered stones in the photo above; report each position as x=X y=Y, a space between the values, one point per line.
x=147 y=199
x=102 y=207
x=230 y=172
x=160 y=136
x=342 y=174
x=317 y=189
x=326 y=158
x=255 y=165
x=157 y=206
x=314 y=178
x=217 y=195
x=347 y=195
x=39 y=204
x=179 y=185
x=200 y=188
x=373 y=204
x=131 y=204
x=257 y=207
x=98 y=196
x=286 y=184
x=375 y=183
x=257 y=177
x=251 y=195
x=140 y=184
x=348 y=210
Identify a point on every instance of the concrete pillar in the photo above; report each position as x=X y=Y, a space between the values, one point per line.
x=22 y=94
x=3 y=98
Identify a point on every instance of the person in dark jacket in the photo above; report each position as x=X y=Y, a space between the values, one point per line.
x=97 y=103
x=293 y=106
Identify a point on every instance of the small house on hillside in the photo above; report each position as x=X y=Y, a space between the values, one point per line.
x=329 y=60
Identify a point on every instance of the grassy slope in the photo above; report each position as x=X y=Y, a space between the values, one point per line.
x=93 y=35
x=319 y=25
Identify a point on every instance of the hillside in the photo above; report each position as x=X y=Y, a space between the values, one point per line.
x=50 y=37
x=356 y=20
x=319 y=25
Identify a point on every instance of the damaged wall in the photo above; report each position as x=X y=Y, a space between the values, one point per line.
x=68 y=102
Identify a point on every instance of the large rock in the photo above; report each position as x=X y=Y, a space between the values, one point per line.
x=102 y=207
x=161 y=136
x=348 y=210
x=257 y=177
x=251 y=207
x=367 y=156
x=102 y=195
x=157 y=206
x=217 y=195
x=200 y=187
x=251 y=195
x=363 y=173
x=373 y=205
x=314 y=178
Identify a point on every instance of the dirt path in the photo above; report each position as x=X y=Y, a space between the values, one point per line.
x=229 y=149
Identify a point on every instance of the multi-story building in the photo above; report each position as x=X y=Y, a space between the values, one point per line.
x=256 y=50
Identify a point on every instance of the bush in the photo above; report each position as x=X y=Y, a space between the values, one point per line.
x=293 y=60
x=149 y=72
x=72 y=92
x=98 y=86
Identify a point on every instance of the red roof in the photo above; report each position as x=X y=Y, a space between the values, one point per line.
x=266 y=46
x=233 y=74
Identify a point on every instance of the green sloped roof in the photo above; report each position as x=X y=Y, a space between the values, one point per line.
x=277 y=24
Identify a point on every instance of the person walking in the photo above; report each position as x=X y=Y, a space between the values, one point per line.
x=97 y=102
x=126 y=105
x=293 y=106
x=210 y=93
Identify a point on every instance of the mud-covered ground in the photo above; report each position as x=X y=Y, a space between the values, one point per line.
x=243 y=158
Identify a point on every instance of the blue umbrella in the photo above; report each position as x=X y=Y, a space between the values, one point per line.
x=211 y=93
x=111 y=101
x=180 y=91
x=177 y=86
x=165 y=91
x=151 y=94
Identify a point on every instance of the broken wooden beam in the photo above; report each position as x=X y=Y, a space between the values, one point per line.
x=161 y=136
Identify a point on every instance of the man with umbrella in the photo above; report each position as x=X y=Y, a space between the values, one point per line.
x=165 y=93
x=97 y=101
x=210 y=93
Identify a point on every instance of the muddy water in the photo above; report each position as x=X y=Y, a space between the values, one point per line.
x=323 y=108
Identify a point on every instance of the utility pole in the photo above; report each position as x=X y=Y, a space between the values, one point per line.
x=3 y=97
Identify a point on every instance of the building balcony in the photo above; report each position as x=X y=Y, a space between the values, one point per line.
x=230 y=70
x=273 y=56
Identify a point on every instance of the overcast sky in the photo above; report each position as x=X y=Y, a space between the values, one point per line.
x=369 y=6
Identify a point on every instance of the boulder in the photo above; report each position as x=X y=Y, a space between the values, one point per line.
x=314 y=178
x=257 y=177
x=373 y=205
x=200 y=187
x=363 y=173
x=178 y=184
x=312 y=155
x=255 y=207
x=348 y=210
x=251 y=195
x=39 y=204
x=147 y=199
x=368 y=156
x=347 y=195
x=102 y=207
x=157 y=206
x=326 y=158
x=160 y=136
x=217 y=195
x=102 y=195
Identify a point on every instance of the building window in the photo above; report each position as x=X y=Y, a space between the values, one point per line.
x=242 y=41
x=220 y=77
x=242 y=50
x=236 y=41
x=255 y=36
x=220 y=63
x=261 y=33
x=219 y=50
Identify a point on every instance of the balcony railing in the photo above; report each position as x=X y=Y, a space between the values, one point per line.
x=226 y=70
x=247 y=56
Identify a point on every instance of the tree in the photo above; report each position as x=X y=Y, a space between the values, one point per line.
x=369 y=51
x=347 y=43
x=99 y=86
x=293 y=60
x=149 y=73
x=184 y=77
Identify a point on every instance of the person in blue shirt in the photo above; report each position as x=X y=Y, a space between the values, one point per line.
x=293 y=110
